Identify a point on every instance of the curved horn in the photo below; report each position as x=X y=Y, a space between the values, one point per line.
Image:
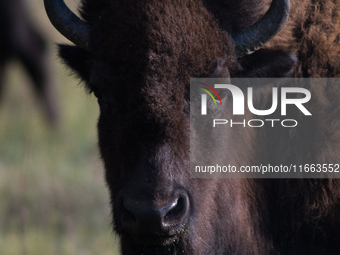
x=258 y=34
x=67 y=23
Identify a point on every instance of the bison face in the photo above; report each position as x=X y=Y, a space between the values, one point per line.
x=137 y=58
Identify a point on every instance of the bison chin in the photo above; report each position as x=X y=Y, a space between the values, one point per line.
x=154 y=246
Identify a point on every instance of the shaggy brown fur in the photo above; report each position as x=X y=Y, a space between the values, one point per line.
x=144 y=53
x=312 y=33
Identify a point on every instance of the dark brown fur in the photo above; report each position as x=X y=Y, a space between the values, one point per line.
x=144 y=54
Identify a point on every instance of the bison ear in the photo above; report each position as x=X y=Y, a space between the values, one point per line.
x=267 y=63
x=77 y=59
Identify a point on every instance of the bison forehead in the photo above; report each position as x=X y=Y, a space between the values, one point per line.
x=160 y=44
x=164 y=38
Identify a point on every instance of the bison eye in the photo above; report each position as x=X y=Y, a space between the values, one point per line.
x=97 y=94
x=106 y=102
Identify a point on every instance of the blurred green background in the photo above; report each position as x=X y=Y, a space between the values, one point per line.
x=53 y=197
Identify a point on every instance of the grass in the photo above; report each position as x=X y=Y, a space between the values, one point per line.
x=53 y=198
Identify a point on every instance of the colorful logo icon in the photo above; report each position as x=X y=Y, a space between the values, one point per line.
x=208 y=92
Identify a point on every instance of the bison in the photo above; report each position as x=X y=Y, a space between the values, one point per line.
x=137 y=57
x=22 y=41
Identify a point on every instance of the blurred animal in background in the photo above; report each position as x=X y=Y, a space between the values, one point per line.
x=21 y=41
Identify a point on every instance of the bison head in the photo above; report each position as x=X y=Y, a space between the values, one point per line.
x=137 y=57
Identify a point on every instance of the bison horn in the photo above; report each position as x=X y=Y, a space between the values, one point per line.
x=262 y=31
x=67 y=23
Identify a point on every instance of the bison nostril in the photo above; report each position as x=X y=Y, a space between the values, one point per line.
x=152 y=217
x=175 y=210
